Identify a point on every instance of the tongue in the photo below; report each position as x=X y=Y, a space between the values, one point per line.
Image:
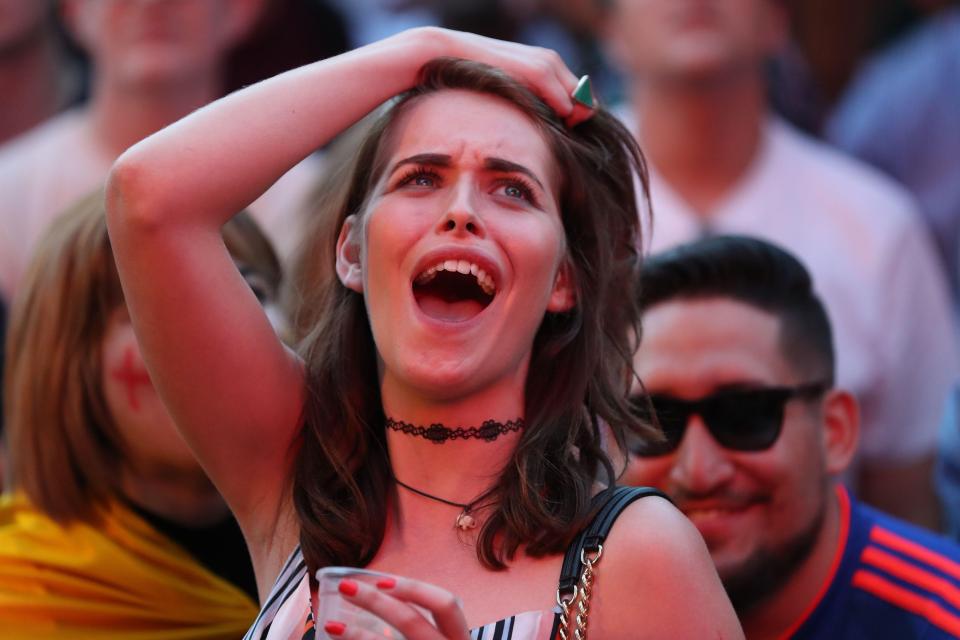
x=439 y=309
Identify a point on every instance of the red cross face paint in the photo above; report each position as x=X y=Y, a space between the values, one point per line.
x=145 y=426
x=132 y=374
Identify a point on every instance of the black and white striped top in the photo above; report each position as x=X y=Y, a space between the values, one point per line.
x=287 y=615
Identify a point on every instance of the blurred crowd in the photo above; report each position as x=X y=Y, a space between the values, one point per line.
x=829 y=129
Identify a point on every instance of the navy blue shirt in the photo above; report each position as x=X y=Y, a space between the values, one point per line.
x=893 y=580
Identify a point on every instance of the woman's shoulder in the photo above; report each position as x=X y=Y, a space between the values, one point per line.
x=655 y=554
x=652 y=524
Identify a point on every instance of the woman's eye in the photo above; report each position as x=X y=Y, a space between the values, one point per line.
x=518 y=191
x=514 y=191
x=420 y=178
x=260 y=292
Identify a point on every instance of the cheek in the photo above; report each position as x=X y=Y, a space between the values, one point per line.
x=790 y=474
x=647 y=472
x=125 y=377
x=536 y=248
x=386 y=240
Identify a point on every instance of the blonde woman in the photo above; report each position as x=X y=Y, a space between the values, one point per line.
x=110 y=528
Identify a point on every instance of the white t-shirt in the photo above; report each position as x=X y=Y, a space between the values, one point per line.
x=872 y=263
x=47 y=169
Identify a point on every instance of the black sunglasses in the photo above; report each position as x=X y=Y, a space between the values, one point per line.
x=739 y=419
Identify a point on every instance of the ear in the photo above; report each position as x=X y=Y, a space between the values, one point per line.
x=841 y=430
x=242 y=16
x=349 y=268
x=563 y=297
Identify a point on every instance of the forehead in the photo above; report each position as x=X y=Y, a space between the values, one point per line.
x=693 y=347
x=470 y=126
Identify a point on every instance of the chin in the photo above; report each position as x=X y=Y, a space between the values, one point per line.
x=156 y=71
x=441 y=379
x=701 y=59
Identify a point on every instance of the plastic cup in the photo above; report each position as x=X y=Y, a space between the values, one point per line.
x=332 y=605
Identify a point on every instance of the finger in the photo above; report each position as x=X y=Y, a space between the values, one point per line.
x=395 y=612
x=335 y=629
x=542 y=70
x=579 y=114
x=446 y=608
x=565 y=78
x=550 y=79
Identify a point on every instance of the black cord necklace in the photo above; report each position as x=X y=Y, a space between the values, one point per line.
x=465 y=521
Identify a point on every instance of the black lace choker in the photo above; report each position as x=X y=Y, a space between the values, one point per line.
x=437 y=433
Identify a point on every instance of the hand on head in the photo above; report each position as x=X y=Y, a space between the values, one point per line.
x=542 y=70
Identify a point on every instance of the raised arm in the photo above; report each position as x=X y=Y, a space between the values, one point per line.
x=234 y=390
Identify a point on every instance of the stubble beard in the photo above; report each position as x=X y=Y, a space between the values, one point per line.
x=765 y=572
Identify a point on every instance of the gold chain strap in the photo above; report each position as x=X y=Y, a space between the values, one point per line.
x=586 y=589
x=565 y=612
x=581 y=595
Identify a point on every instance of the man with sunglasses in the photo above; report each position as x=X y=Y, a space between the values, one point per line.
x=738 y=367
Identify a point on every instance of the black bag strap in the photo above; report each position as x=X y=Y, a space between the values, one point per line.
x=613 y=503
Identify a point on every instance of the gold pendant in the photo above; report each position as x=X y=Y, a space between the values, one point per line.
x=465 y=521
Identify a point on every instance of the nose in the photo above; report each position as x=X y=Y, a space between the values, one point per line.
x=702 y=464
x=460 y=214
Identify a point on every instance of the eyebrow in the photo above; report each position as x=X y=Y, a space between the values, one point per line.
x=505 y=166
x=431 y=159
x=498 y=165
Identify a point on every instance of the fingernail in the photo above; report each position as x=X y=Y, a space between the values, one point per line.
x=334 y=628
x=386 y=583
x=347 y=587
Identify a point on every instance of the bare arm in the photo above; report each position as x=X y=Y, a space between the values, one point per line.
x=234 y=390
x=654 y=565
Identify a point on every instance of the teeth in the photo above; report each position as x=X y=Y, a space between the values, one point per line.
x=459 y=266
x=485 y=282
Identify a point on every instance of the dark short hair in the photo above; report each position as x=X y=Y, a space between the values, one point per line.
x=754 y=272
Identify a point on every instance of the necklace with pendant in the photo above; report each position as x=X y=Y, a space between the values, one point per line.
x=465 y=521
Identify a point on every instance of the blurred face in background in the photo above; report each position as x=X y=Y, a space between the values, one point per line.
x=143 y=43
x=758 y=511
x=689 y=40
x=151 y=440
x=22 y=22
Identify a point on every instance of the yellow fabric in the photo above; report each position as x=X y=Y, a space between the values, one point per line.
x=122 y=580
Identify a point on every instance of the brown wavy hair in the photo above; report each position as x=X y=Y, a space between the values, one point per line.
x=64 y=446
x=342 y=480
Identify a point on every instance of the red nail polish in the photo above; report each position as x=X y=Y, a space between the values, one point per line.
x=386 y=583
x=334 y=628
x=348 y=587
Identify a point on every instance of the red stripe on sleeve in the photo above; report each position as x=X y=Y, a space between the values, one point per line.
x=907 y=600
x=910 y=548
x=913 y=574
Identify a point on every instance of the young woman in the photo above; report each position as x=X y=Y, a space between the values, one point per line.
x=440 y=422
x=111 y=529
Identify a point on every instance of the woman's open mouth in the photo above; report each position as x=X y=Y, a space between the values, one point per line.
x=453 y=290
